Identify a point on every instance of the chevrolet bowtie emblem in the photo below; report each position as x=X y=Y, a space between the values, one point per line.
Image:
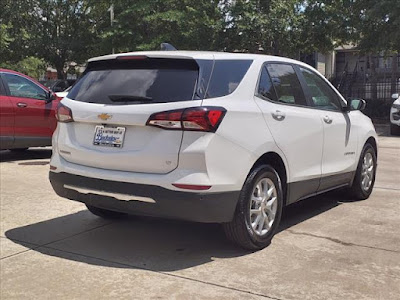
x=104 y=117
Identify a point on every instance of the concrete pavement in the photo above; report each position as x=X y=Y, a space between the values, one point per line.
x=328 y=247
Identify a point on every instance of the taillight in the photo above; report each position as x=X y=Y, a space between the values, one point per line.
x=64 y=114
x=205 y=118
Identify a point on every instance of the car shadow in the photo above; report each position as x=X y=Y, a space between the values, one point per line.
x=144 y=242
x=31 y=153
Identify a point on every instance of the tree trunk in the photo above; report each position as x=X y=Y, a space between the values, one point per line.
x=60 y=72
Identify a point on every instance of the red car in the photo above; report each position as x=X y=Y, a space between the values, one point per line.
x=27 y=112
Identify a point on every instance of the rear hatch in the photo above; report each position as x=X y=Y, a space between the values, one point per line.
x=111 y=104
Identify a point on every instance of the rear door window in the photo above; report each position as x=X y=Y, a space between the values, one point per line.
x=286 y=84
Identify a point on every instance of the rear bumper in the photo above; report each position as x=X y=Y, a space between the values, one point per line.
x=150 y=200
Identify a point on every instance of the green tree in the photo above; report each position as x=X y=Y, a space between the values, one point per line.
x=14 y=39
x=271 y=26
x=31 y=66
x=378 y=25
x=327 y=24
x=62 y=31
x=144 y=24
x=379 y=31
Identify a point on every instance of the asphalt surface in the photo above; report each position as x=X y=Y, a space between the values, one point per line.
x=328 y=247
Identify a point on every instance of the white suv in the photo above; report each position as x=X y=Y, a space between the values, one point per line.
x=208 y=137
x=395 y=115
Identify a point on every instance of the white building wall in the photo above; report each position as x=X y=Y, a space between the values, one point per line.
x=320 y=61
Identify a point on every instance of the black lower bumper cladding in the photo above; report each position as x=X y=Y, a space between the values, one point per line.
x=198 y=207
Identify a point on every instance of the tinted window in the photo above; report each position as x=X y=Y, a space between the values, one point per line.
x=265 y=87
x=49 y=83
x=321 y=93
x=206 y=67
x=226 y=76
x=286 y=83
x=2 y=91
x=136 y=82
x=60 y=86
x=22 y=87
x=158 y=80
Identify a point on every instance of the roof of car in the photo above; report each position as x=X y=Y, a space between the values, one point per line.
x=197 y=55
x=11 y=71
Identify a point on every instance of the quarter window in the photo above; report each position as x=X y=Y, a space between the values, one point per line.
x=286 y=84
x=22 y=87
x=226 y=76
x=265 y=87
x=321 y=93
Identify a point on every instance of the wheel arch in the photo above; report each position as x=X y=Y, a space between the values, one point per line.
x=276 y=161
x=372 y=141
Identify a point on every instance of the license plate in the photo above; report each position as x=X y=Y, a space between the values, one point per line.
x=109 y=136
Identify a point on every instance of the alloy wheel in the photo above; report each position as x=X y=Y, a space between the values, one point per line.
x=263 y=206
x=367 y=171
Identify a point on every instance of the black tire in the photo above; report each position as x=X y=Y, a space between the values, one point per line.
x=19 y=149
x=239 y=230
x=394 y=129
x=356 y=189
x=104 y=213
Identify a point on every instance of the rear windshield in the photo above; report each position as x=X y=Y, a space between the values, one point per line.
x=157 y=80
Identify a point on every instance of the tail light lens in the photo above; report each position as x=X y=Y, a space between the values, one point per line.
x=205 y=118
x=64 y=114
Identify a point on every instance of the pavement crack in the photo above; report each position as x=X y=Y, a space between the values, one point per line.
x=18 y=253
x=340 y=241
x=385 y=147
x=386 y=188
x=74 y=235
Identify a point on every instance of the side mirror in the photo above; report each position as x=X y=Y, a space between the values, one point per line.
x=395 y=96
x=356 y=104
x=50 y=96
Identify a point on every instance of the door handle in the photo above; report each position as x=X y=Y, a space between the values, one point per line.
x=278 y=115
x=327 y=120
x=22 y=104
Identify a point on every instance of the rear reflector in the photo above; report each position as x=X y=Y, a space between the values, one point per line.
x=192 y=187
x=53 y=168
x=206 y=118
x=63 y=114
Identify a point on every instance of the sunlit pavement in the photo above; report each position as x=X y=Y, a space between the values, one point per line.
x=328 y=247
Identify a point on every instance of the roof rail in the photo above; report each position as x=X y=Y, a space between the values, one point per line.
x=167 y=47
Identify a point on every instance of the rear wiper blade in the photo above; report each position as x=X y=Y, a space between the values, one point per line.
x=128 y=98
